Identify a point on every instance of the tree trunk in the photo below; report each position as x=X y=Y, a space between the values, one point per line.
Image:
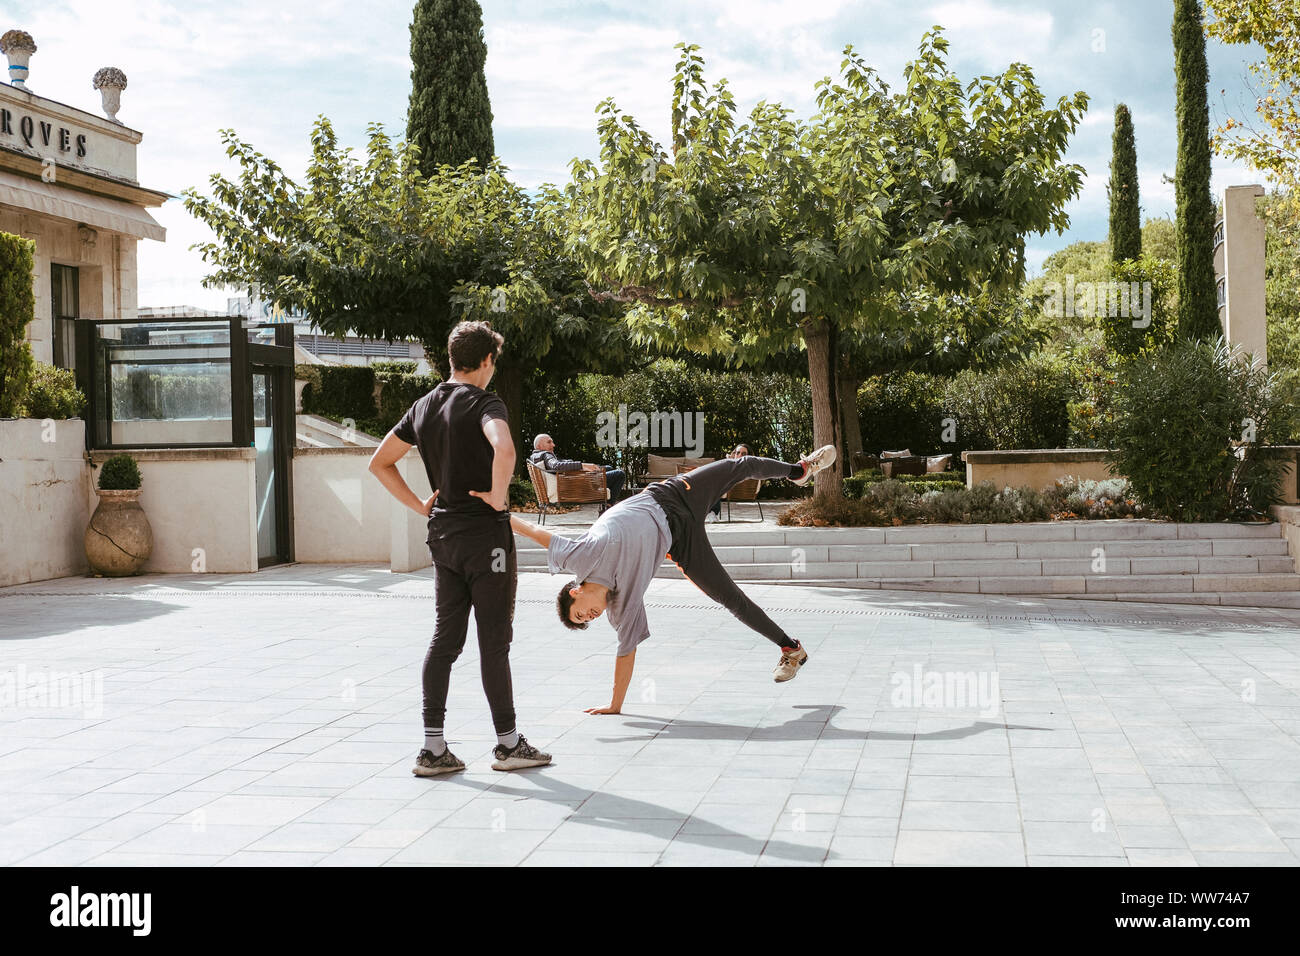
x=509 y=384
x=817 y=334
x=849 y=383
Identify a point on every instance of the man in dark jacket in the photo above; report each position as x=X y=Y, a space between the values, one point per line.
x=544 y=457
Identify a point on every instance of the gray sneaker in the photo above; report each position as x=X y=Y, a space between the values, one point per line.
x=522 y=755
x=427 y=765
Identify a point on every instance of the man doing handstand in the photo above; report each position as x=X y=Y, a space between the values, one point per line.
x=616 y=559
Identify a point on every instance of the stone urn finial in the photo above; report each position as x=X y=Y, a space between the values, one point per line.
x=110 y=81
x=19 y=46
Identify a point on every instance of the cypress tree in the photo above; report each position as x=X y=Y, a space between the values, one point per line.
x=1198 y=309
x=17 y=308
x=1125 y=216
x=450 y=115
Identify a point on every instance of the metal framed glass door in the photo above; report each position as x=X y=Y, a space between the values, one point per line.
x=269 y=473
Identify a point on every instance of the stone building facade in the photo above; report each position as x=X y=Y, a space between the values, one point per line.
x=68 y=182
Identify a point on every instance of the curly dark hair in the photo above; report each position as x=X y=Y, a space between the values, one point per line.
x=470 y=343
x=564 y=604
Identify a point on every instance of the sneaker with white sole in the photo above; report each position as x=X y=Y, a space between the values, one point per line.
x=522 y=755
x=427 y=765
x=790 y=664
x=817 y=462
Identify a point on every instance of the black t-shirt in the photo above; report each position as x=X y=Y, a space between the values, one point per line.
x=446 y=426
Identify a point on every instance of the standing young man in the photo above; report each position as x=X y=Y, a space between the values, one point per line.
x=463 y=435
x=615 y=561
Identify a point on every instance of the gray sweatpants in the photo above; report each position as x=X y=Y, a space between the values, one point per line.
x=686 y=499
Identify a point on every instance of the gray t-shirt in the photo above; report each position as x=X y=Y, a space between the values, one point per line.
x=621 y=551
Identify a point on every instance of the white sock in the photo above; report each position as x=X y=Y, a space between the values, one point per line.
x=433 y=741
x=508 y=740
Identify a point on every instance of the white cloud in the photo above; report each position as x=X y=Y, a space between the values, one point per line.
x=985 y=31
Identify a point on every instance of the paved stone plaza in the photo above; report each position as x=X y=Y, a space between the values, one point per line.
x=274 y=718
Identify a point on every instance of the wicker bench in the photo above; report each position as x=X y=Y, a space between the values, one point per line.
x=567 y=488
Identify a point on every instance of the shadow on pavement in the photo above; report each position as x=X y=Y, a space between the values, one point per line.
x=815 y=726
x=629 y=815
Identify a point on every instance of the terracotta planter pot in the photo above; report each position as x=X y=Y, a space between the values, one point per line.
x=119 y=540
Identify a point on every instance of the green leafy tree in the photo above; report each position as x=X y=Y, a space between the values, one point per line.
x=17 y=308
x=1125 y=214
x=751 y=239
x=450 y=115
x=1271 y=142
x=1160 y=239
x=1198 y=306
x=376 y=249
x=1145 y=318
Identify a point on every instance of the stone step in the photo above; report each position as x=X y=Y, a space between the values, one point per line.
x=918 y=575
x=1265 y=599
x=728 y=550
x=919 y=559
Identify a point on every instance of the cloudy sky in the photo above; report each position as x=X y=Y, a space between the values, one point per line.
x=269 y=69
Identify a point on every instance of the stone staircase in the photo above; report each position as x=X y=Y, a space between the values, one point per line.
x=1119 y=560
x=313 y=431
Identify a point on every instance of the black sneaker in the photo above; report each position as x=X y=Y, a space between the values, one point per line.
x=522 y=755
x=427 y=765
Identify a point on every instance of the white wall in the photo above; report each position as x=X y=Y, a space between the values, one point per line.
x=340 y=510
x=196 y=498
x=44 y=510
x=342 y=513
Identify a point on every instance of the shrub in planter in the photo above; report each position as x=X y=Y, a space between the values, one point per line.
x=119 y=473
x=823 y=512
x=984 y=504
x=1190 y=423
x=53 y=393
x=118 y=540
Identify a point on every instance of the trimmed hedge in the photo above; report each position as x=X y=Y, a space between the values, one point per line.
x=903 y=410
x=344 y=391
x=339 y=392
x=1018 y=406
x=856 y=485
